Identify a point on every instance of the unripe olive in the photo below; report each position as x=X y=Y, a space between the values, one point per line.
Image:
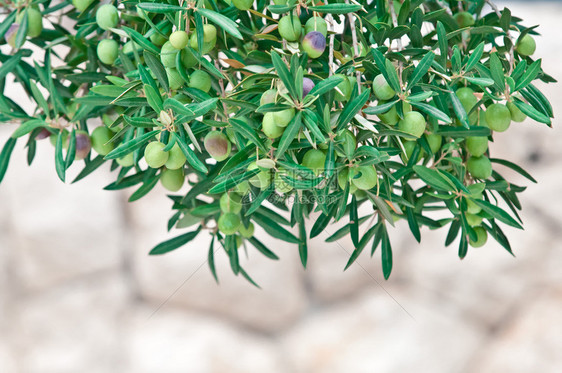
x=231 y=202
x=270 y=128
x=100 y=138
x=468 y=100
x=262 y=179
x=409 y=147
x=413 y=123
x=228 y=223
x=158 y=39
x=516 y=114
x=348 y=142
x=188 y=60
x=201 y=80
x=390 y=117
x=464 y=19
x=107 y=16
x=126 y=161
x=343 y=177
x=179 y=39
x=382 y=89
x=368 y=178
x=479 y=167
x=316 y=24
x=498 y=117
x=472 y=207
x=290 y=28
x=477 y=145
x=34 y=22
x=209 y=33
x=154 y=154
x=345 y=89
x=314 y=44
x=434 y=141
x=168 y=55
x=107 y=51
x=176 y=158
x=473 y=220
x=268 y=97
x=482 y=237
x=130 y=46
x=172 y=179
x=82 y=5
x=217 y=145
x=174 y=78
x=246 y=232
x=315 y=160
x=83 y=145
x=243 y=4
x=242 y=188
x=283 y=118
x=526 y=46
x=209 y=39
x=54 y=138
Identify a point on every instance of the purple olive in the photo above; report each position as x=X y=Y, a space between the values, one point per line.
x=43 y=134
x=83 y=144
x=307 y=85
x=10 y=35
x=314 y=44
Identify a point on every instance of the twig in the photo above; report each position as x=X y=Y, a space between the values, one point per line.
x=351 y=19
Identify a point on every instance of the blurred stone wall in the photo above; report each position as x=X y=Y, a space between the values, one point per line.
x=78 y=292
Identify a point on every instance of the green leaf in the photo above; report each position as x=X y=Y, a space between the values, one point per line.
x=262 y=248
x=497 y=213
x=28 y=126
x=225 y=23
x=432 y=111
x=514 y=167
x=443 y=43
x=248 y=132
x=531 y=112
x=160 y=7
x=21 y=34
x=387 y=70
x=174 y=243
x=91 y=166
x=284 y=74
x=10 y=65
x=351 y=109
x=326 y=85
x=529 y=75
x=471 y=131
x=380 y=109
x=146 y=187
x=475 y=57
x=131 y=145
x=336 y=8
x=291 y=131
x=433 y=178
x=5 y=156
x=157 y=68
x=386 y=253
x=483 y=82
x=421 y=69
x=59 y=160
x=459 y=109
x=274 y=229
x=497 y=72
x=354 y=222
x=141 y=40
x=154 y=99
x=190 y=155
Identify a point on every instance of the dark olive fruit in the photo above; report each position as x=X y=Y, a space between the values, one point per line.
x=307 y=85
x=217 y=145
x=154 y=154
x=314 y=44
x=11 y=34
x=479 y=167
x=83 y=145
